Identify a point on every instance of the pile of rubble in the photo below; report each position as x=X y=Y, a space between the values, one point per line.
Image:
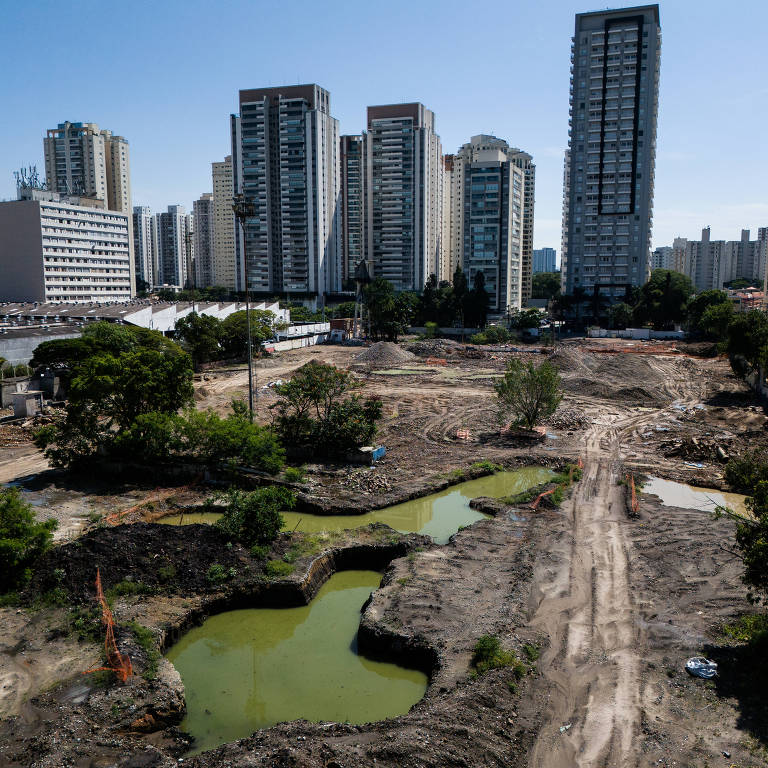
x=704 y=448
x=366 y=481
x=569 y=418
x=433 y=347
x=384 y=353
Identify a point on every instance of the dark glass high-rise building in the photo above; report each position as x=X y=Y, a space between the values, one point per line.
x=608 y=195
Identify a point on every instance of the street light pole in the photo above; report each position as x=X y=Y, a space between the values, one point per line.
x=244 y=207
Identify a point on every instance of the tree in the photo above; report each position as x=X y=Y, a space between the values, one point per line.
x=459 y=295
x=699 y=303
x=108 y=392
x=545 y=285
x=748 y=342
x=663 y=299
x=345 y=309
x=528 y=393
x=527 y=318
x=619 y=315
x=201 y=336
x=750 y=475
x=389 y=314
x=234 y=331
x=22 y=539
x=253 y=518
x=716 y=321
x=429 y=302
x=319 y=413
x=476 y=303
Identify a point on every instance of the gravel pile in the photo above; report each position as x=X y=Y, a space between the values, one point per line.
x=384 y=353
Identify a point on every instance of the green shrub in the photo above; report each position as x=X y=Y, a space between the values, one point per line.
x=254 y=517
x=747 y=629
x=22 y=539
x=431 y=330
x=745 y=472
x=294 y=474
x=488 y=654
x=276 y=568
x=217 y=574
x=531 y=652
x=259 y=552
x=127 y=588
x=166 y=573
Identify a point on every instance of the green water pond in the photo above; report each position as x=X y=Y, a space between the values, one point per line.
x=438 y=515
x=249 y=669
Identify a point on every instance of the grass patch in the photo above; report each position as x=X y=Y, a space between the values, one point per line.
x=259 y=552
x=457 y=474
x=145 y=639
x=166 y=573
x=486 y=466
x=9 y=599
x=307 y=545
x=276 y=568
x=127 y=588
x=519 y=498
x=404 y=580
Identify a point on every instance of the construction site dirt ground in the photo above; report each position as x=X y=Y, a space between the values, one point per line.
x=616 y=603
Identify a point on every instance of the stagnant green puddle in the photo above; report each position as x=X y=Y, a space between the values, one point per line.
x=690 y=497
x=438 y=515
x=249 y=669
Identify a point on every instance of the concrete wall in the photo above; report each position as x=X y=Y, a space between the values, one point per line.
x=18 y=349
x=21 y=252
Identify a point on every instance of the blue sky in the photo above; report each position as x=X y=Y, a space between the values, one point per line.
x=165 y=75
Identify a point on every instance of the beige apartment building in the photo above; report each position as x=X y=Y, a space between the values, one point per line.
x=224 y=254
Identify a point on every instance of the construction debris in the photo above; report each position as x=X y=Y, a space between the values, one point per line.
x=384 y=353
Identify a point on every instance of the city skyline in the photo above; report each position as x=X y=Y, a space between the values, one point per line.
x=710 y=176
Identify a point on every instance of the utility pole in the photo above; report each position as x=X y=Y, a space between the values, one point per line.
x=243 y=208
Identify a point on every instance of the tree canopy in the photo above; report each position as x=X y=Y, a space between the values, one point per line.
x=22 y=539
x=545 y=285
x=319 y=413
x=390 y=314
x=528 y=393
x=664 y=299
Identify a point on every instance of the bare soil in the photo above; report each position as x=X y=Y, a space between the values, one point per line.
x=616 y=603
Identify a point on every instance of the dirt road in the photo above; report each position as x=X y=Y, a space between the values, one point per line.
x=584 y=604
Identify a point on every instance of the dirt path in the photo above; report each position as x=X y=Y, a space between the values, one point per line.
x=585 y=605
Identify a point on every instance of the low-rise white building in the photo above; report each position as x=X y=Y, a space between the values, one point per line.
x=60 y=248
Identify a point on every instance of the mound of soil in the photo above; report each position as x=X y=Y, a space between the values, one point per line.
x=384 y=353
x=434 y=347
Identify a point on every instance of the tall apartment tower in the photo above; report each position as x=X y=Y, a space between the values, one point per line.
x=285 y=148
x=172 y=246
x=202 y=214
x=544 y=260
x=144 y=244
x=608 y=207
x=487 y=194
x=82 y=160
x=404 y=176
x=448 y=254
x=352 y=156
x=224 y=255
x=525 y=162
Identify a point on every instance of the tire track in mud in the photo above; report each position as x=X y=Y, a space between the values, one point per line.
x=584 y=602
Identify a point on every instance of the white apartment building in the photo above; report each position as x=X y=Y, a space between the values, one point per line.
x=224 y=254
x=712 y=263
x=285 y=147
x=202 y=215
x=608 y=199
x=81 y=159
x=404 y=178
x=144 y=244
x=488 y=188
x=56 y=248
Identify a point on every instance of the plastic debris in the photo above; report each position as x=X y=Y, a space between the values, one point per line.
x=564 y=728
x=698 y=666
